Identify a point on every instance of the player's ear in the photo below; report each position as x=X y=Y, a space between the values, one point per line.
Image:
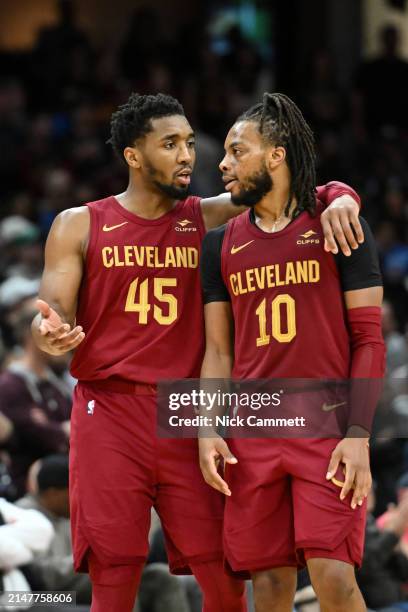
x=132 y=157
x=276 y=156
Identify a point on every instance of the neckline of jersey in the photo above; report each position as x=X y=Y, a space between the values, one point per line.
x=259 y=233
x=140 y=220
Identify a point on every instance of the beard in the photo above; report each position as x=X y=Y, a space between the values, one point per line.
x=169 y=189
x=258 y=185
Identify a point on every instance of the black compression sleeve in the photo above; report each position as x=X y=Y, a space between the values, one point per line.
x=361 y=269
x=214 y=289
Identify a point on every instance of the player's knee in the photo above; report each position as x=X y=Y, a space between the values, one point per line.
x=271 y=586
x=334 y=583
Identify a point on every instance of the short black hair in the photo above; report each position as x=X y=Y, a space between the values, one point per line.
x=281 y=122
x=53 y=473
x=132 y=120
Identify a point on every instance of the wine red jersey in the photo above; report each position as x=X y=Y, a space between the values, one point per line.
x=140 y=301
x=287 y=301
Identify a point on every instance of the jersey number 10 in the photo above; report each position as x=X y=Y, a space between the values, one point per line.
x=277 y=333
x=142 y=305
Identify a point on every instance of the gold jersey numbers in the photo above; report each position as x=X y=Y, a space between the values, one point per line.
x=138 y=300
x=280 y=301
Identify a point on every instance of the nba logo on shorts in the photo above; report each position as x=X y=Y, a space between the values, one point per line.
x=91 y=406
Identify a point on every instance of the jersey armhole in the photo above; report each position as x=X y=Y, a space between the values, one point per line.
x=224 y=250
x=196 y=204
x=93 y=233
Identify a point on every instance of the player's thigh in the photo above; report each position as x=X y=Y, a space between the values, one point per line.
x=325 y=526
x=191 y=512
x=258 y=521
x=112 y=471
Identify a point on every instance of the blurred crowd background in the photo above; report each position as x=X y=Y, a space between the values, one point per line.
x=57 y=92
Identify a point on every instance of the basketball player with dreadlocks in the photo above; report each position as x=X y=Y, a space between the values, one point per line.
x=284 y=508
x=121 y=285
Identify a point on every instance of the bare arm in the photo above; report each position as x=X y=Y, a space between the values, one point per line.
x=218 y=361
x=218 y=358
x=338 y=220
x=219 y=209
x=54 y=329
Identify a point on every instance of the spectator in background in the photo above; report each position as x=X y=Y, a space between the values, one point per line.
x=143 y=40
x=35 y=399
x=7 y=489
x=23 y=535
x=394 y=510
x=6 y=429
x=21 y=247
x=324 y=100
x=13 y=132
x=59 y=50
x=397 y=348
x=385 y=567
x=380 y=100
x=49 y=495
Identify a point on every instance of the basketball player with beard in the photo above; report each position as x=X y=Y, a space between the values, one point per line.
x=121 y=286
x=279 y=306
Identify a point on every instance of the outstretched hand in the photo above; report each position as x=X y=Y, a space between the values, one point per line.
x=58 y=337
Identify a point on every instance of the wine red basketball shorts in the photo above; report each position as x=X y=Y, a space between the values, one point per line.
x=119 y=469
x=283 y=511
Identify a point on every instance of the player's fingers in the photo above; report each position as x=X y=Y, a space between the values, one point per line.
x=77 y=341
x=348 y=483
x=218 y=483
x=67 y=336
x=43 y=307
x=366 y=487
x=361 y=492
x=53 y=332
x=223 y=449
x=70 y=340
x=212 y=477
x=329 y=241
x=347 y=230
x=333 y=465
x=340 y=237
x=360 y=489
x=355 y=222
x=73 y=344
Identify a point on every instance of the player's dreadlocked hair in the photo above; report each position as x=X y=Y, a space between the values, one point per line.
x=133 y=120
x=281 y=122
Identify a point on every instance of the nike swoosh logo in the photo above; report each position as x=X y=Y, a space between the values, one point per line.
x=109 y=228
x=239 y=248
x=330 y=407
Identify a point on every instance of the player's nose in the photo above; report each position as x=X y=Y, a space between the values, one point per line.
x=224 y=166
x=185 y=155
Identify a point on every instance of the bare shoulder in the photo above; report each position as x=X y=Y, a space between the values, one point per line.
x=71 y=227
x=74 y=218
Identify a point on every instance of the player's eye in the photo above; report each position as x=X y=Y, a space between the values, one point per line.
x=169 y=145
x=237 y=152
x=191 y=144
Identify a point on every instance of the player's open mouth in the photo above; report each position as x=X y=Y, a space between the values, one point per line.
x=184 y=177
x=229 y=184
